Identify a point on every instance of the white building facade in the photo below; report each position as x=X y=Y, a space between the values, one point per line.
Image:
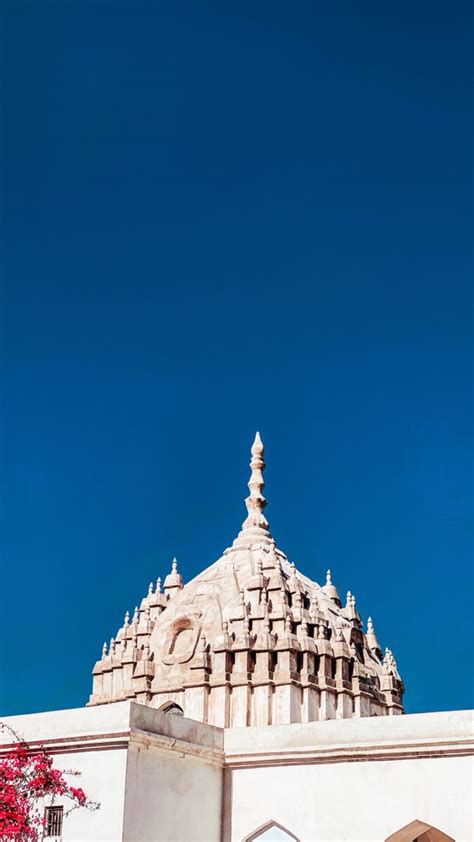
x=290 y=720
x=159 y=776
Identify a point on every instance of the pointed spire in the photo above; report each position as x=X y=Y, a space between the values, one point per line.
x=256 y=523
x=150 y=589
x=174 y=580
x=135 y=616
x=104 y=650
x=371 y=637
x=158 y=585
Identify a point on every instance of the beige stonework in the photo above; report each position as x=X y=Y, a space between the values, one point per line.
x=250 y=641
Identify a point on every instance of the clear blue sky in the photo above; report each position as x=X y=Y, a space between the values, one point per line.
x=223 y=217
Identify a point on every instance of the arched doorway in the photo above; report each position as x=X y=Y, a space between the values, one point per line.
x=271 y=831
x=418 y=831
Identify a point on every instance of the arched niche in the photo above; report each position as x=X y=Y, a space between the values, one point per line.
x=418 y=831
x=172 y=708
x=271 y=831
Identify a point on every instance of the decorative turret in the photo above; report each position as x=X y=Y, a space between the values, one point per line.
x=330 y=590
x=372 y=641
x=173 y=581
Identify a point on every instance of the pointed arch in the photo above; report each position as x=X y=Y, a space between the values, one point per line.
x=418 y=831
x=173 y=708
x=271 y=831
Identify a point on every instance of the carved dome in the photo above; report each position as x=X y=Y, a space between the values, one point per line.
x=250 y=640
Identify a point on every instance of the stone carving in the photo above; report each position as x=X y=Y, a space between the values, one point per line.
x=181 y=641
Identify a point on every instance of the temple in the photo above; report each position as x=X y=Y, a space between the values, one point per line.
x=249 y=641
x=253 y=705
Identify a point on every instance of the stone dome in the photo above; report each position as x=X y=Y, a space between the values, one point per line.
x=249 y=641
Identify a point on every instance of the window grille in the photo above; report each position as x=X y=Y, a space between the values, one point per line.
x=53 y=821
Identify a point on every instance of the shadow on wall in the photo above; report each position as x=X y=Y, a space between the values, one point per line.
x=418 y=831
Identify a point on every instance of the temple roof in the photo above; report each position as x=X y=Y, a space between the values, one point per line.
x=251 y=600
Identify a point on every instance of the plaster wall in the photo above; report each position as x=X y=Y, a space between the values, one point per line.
x=173 y=792
x=101 y=763
x=171 y=796
x=353 y=779
x=103 y=778
x=365 y=801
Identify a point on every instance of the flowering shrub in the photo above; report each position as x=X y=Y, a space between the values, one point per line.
x=27 y=777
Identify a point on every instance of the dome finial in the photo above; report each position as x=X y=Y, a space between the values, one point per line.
x=256 y=522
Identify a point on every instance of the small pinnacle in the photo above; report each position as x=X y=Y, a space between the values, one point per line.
x=328 y=577
x=150 y=589
x=126 y=619
x=174 y=566
x=158 y=585
x=104 y=650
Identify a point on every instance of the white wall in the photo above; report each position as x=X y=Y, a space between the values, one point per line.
x=355 y=779
x=102 y=769
x=171 y=796
x=159 y=778
x=103 y=778
x=364 y=801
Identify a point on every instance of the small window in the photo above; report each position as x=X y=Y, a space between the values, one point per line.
x=53 y=825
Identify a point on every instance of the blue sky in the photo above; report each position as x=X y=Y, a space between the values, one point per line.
x=220 y=218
